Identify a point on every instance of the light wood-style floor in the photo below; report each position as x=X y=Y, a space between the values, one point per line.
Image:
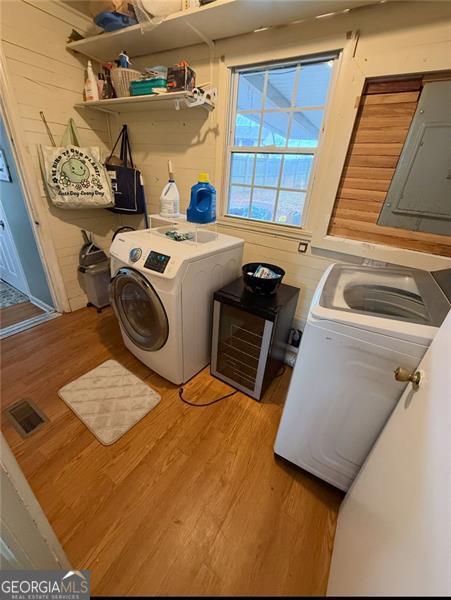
x=11 y=315
x=190 y=501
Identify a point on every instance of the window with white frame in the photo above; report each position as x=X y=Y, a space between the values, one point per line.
x=276 y=121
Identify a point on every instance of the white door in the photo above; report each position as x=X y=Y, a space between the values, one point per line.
x=27 y=540
x=394 y=528
x=10 y=268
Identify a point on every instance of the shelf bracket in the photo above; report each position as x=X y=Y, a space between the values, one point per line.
x=101 y=109
x=210 y=43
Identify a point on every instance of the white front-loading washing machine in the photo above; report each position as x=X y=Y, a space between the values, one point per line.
x=161 y=291
x=363 y=323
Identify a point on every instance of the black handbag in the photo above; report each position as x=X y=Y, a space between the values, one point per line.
x=126 y=181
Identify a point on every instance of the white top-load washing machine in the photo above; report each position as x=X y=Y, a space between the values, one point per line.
x=162 y=290
x=363 y=323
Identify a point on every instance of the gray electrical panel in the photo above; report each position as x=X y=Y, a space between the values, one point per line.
x=419 y=197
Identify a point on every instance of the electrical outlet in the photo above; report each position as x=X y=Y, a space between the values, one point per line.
x=302 y=248
x=295 y=338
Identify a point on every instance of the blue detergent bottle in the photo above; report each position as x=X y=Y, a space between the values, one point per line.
x=202 y=206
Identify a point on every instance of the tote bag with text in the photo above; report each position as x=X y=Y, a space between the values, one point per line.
x=73 y=175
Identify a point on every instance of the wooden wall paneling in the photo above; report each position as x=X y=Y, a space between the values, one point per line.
x=380 y=185
x=387 y=236
x=398 y=85
x=378 y=173
x=360 y=160
x=375 y=149
x=384 y=98
x=359 y=205
x=385 y=113
x=45 y=76
x=358 y=194
x=400 y=109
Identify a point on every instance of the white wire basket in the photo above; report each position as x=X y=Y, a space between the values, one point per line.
x=121 y=79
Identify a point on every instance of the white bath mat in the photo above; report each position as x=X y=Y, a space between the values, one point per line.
x=109 y=400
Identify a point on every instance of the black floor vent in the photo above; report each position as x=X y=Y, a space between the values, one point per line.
x=26 y=417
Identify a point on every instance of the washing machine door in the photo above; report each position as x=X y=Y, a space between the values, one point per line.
x=139 y=309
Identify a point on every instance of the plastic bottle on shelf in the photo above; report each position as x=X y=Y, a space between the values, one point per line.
x=100 y=84
x=202 y=206
x=91 y=89
x=170 y=197
x=108 y=89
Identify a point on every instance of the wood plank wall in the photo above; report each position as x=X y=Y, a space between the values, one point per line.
x=46 y=77
x=383 y=120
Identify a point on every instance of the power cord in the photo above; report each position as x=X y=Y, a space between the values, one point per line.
x=281 y=371
x=229 y=395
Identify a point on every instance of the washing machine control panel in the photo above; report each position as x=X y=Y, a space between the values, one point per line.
x=157 y=262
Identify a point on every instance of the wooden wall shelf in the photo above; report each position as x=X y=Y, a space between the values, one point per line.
x=218 y=20
x=171 y=100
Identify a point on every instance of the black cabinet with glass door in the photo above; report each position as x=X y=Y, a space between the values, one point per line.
x=250 y=336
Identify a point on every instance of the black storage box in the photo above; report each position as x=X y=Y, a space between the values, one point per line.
x=181 y=79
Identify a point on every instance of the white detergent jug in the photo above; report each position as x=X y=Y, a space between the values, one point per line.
x=170 y=197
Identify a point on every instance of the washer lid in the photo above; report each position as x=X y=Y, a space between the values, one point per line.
x=394 y=293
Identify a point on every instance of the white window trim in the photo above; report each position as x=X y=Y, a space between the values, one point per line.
x=233 y=73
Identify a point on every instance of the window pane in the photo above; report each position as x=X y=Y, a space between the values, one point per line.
x=275 y=127
x=279 y=92
x=250 y=90
x=296 y=170
x=242 y=168
x=239 y=201
x=314 y=84
x=290 y=207
x=279 y=108
x=305 y=129
x=267 y=169
x=263 y=203
x=247 y=128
